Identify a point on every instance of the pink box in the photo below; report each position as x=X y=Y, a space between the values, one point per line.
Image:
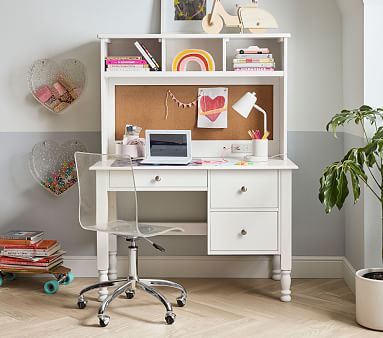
x=43 y=94
x=59 y=88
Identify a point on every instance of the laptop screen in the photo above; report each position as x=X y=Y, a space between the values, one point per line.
x=168 y=145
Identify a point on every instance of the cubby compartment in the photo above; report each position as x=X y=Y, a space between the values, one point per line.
x=213 y=46
x=126 y=47
x=274 y=45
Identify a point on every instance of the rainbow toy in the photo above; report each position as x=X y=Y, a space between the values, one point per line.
x=202 y=57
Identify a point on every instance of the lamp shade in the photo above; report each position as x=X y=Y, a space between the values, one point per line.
x=244 y=105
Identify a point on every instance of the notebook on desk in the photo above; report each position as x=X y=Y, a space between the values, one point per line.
x=167 y=147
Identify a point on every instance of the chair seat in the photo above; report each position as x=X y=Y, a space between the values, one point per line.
x=128 y=229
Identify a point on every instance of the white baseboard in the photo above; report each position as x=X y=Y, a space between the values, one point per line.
x=317 y=267
x=349 y=274
x=213 y=266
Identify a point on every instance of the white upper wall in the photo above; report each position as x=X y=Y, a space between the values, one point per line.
x=34 y=30
x=373 y=51
x=353 y=58
x=373 y=96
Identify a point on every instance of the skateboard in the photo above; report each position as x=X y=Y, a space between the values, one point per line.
x=62 y=274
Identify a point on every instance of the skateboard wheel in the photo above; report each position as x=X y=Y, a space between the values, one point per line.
x=51 y=287
x=10 y=276
x=69 y=278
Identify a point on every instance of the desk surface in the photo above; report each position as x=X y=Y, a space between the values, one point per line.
x=206 y=164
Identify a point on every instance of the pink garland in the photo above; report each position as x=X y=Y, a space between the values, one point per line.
x=178 y=102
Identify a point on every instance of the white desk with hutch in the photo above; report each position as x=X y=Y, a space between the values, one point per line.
x=249 y=207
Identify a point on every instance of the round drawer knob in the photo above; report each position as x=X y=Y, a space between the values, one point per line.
x=243 y=232
x=243 y=188
x=157 y=178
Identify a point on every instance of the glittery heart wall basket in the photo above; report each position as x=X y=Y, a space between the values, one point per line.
x=53 y=166
x=57 y=85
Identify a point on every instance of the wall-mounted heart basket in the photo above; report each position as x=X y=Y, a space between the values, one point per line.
x=52 y=165
x=57 y=85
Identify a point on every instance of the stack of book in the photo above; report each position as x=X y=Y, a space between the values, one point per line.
x=28 y=251
x=145 y=62
x=126 y=64
x=253 y=59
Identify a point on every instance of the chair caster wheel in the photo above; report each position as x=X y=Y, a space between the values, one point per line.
x=104 y=320
x=170 y=318
x=81 y=304
x=181 y=301
x=130 y=294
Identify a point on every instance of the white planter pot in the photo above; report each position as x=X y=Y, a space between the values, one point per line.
x=369 y=300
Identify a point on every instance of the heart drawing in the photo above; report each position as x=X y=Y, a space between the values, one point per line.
x=57 y=85
x=52 y=165
x=212 y=108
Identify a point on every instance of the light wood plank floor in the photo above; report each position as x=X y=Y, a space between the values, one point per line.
x=216 y=308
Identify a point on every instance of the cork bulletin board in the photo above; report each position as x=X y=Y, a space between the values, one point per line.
x=144 y=106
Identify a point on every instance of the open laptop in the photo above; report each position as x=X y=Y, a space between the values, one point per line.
x=167 y=147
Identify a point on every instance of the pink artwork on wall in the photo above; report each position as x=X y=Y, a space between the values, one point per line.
x=212 y=107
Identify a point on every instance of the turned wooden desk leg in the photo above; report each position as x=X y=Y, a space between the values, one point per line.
x=285 y=218
x=285 y=286
x=102 y=237
x=112 y=273
x=276 y=271
x=102 y=263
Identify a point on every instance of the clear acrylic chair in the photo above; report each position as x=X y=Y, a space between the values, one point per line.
x=128 y=228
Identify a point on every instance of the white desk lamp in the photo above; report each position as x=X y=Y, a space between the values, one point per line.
x=243 y=107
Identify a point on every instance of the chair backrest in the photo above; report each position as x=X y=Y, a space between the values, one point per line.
x=89 y=168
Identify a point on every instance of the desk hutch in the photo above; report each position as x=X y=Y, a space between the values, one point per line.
x=249 y=207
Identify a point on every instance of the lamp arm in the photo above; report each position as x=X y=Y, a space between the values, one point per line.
x=264 y=117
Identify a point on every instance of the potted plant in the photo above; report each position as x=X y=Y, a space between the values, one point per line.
x=358 y=166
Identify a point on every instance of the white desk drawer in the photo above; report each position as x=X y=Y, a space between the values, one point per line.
x=159 y=178
x=244 y=189
x=244 y=231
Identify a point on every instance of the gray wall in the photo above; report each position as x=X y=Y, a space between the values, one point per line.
x=354 y=216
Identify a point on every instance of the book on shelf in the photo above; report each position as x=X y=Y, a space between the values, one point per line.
x=147 y=56
x=128 y=69
x=125 y=62
x=255 y=65
x=128 y=66
x=244 y=60
x=253 y=69
x=128 y=57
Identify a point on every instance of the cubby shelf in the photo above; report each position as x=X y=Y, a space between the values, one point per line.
x=222 y=47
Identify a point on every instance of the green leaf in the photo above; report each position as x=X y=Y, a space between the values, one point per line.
x=355 y=186
x=342 y=188
x=365 y=108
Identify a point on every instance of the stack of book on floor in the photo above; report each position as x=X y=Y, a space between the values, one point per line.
x=253 y=59
x=26 y=251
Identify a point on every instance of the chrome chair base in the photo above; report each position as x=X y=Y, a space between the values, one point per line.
x=128 y=286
